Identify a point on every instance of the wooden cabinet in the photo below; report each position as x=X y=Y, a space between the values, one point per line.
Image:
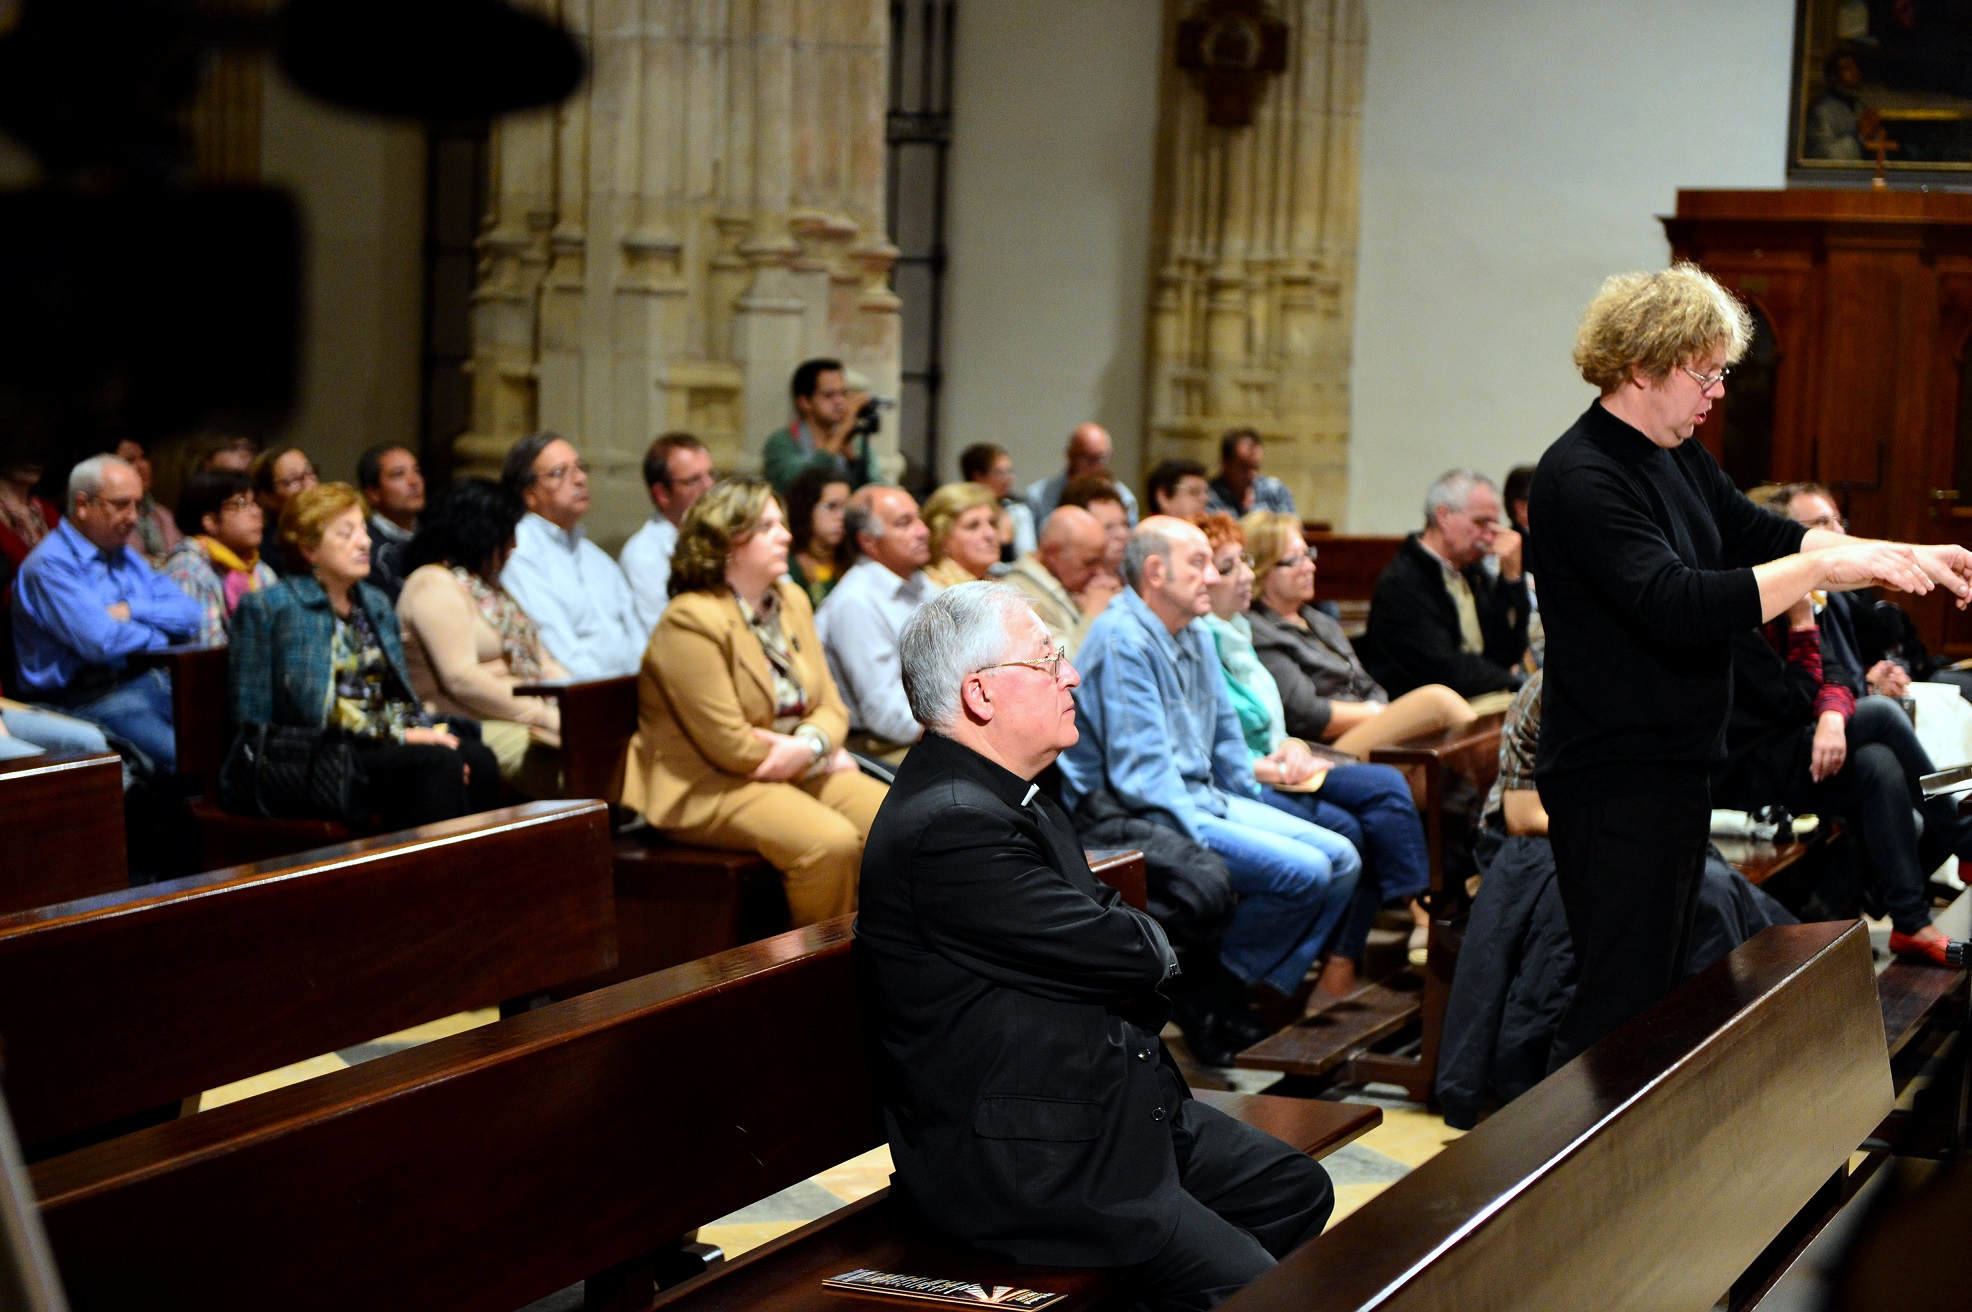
x=1859 y=379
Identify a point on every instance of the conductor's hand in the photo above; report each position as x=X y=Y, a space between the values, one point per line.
x=1889 y=564
x=788 y=757
x=1831 y=746
x=1950 y=567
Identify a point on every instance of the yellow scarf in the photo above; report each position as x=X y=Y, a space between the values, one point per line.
x=222 y=555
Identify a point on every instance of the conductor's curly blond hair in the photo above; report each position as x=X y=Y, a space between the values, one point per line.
x=1647 y=324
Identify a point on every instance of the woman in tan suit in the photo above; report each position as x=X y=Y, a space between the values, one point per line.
x=740 y=725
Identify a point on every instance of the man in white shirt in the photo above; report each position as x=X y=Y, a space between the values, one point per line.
x=860 y=622
x=678 y=471
x=393 y=485
x=1088 y=453
x=576 y=595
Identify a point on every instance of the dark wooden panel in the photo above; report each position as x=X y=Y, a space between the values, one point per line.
x=1125 y=872
x=1316 y=1127
x=598 y=719
x=1649 y=1172
x=64 y=829
x=198 y=706
x=124 y=1001
x=1347 y=568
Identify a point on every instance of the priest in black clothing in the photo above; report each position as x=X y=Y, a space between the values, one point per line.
x=1650 y=561
x=1014 y=1000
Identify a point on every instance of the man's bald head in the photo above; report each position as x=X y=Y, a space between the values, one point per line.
x=1072 y=545
x=1088 y=450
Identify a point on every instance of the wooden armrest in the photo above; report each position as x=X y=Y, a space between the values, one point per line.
x=598 y=717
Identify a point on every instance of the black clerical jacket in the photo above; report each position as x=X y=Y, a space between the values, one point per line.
x=1011 y=999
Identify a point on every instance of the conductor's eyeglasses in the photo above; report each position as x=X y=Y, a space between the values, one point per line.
x=1706 y=382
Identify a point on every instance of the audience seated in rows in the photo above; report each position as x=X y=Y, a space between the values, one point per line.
x=821 y=552
x=1452 y=608
x=861 y=619
x=1798 y=738
x=84 y=602
x=740 y=725
x=25 y=518
x=1072 y=549
x=280 y=474
x=963 y=521
x=1159 y=734
x=1103 y=499
x=1177 y=488
x=677 y=471
x=468 y=643
x=321 y=650
x=822 y=434
x=393 y=487
x=1516 y=968
x=217 y=561
x=156 y=532
x=1326 y=694
x=1370 y=805
x=575 y=593
x=1240 y=489
x=1087 y=456
x=992 y=468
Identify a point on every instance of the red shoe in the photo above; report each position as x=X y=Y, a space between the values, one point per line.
x=1942 y=952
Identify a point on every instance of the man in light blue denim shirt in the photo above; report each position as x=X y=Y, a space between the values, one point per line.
x=1160 y=733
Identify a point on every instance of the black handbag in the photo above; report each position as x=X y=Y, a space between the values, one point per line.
x=286 y=771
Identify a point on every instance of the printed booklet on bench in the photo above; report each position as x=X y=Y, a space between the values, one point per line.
x=932 y=1290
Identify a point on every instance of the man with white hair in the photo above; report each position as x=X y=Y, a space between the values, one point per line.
x=1442 y=612
x=84 y=601
x=1015 y=1000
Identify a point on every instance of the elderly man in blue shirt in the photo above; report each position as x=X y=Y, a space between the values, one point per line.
x=1159 y=732
x=84 y=602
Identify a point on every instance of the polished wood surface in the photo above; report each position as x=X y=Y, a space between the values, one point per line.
x=1337 y=1029
x=1347 y=567
x=676 y=903
x=598 y=719
x=1124 y=871
x=1650 y=1172
x=1429 y=762
x=114 y=1003
x=63 y=834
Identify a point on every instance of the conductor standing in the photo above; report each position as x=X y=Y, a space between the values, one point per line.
x=1649 y=561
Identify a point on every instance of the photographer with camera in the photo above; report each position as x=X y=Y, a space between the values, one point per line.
x=831 y=430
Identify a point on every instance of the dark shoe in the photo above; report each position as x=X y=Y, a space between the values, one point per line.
x=1243 y=1027
x=1942 y=952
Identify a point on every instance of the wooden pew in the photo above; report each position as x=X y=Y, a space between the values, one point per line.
x=495 y=1167
x=1694 y=1151
x=1336 y=1044
x=63 y=830
x=199 y=724
x=122 y=1002
x=1346 y=570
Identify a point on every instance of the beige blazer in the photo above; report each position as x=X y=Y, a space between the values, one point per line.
x=705 y=686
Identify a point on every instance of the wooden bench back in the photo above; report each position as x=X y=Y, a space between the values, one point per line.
x=494 y=1167
x=1650 y=1172
x=1347 y=567
x=1432 y=761
x=598 y=719
x=121 y=1002
x=199 y=707
x=63 y=834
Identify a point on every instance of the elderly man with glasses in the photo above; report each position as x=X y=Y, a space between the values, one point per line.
x=1015 y=1001
x=1650 y=563
x=576 y=595
x=85 y=602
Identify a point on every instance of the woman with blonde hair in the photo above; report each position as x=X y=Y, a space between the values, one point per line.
x=965 y=533
x=740 y=726
x=1326 y=694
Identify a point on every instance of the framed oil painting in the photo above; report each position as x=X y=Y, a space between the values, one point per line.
x=1888 y=76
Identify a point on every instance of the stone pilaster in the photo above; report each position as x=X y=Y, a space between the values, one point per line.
x=1254 y=261
x=662 y=250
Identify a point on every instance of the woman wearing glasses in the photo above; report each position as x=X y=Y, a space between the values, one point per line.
x=1326 y=693
x=218 y=561
x=740 y=727
x=279 y=476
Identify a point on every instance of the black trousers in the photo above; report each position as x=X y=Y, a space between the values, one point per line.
x=415 y=784
x=1248 y=1200
x=1628 y=867
x=1877 y=791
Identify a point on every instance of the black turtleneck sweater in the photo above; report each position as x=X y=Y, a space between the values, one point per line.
x=1644 y=559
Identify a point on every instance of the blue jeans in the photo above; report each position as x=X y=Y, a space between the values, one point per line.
x=1371 y=806
x=139 y=712
x=31 y=733
x=1294 y=882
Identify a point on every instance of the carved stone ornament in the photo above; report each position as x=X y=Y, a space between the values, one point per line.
x=1230 y=47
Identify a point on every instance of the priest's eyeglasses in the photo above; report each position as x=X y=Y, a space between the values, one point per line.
x=1706 y=382
x=1050 y=663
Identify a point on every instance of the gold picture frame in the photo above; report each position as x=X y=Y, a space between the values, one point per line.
x=1887 y=80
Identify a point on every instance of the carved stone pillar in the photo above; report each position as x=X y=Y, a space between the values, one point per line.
x=662 y=251
x=1254 y=260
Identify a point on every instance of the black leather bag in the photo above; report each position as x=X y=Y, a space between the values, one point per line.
x=292 y=773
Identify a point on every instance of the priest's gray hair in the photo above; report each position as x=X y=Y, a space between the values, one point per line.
x=86 y=479
x=1451 y=492
x=960 y=630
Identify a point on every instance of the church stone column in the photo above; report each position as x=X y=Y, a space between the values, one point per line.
x=661 y=251
x=1254 y=258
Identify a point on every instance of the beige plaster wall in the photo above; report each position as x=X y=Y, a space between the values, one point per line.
x=1053 y=151
x=359 y=183
x=1515 y=153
